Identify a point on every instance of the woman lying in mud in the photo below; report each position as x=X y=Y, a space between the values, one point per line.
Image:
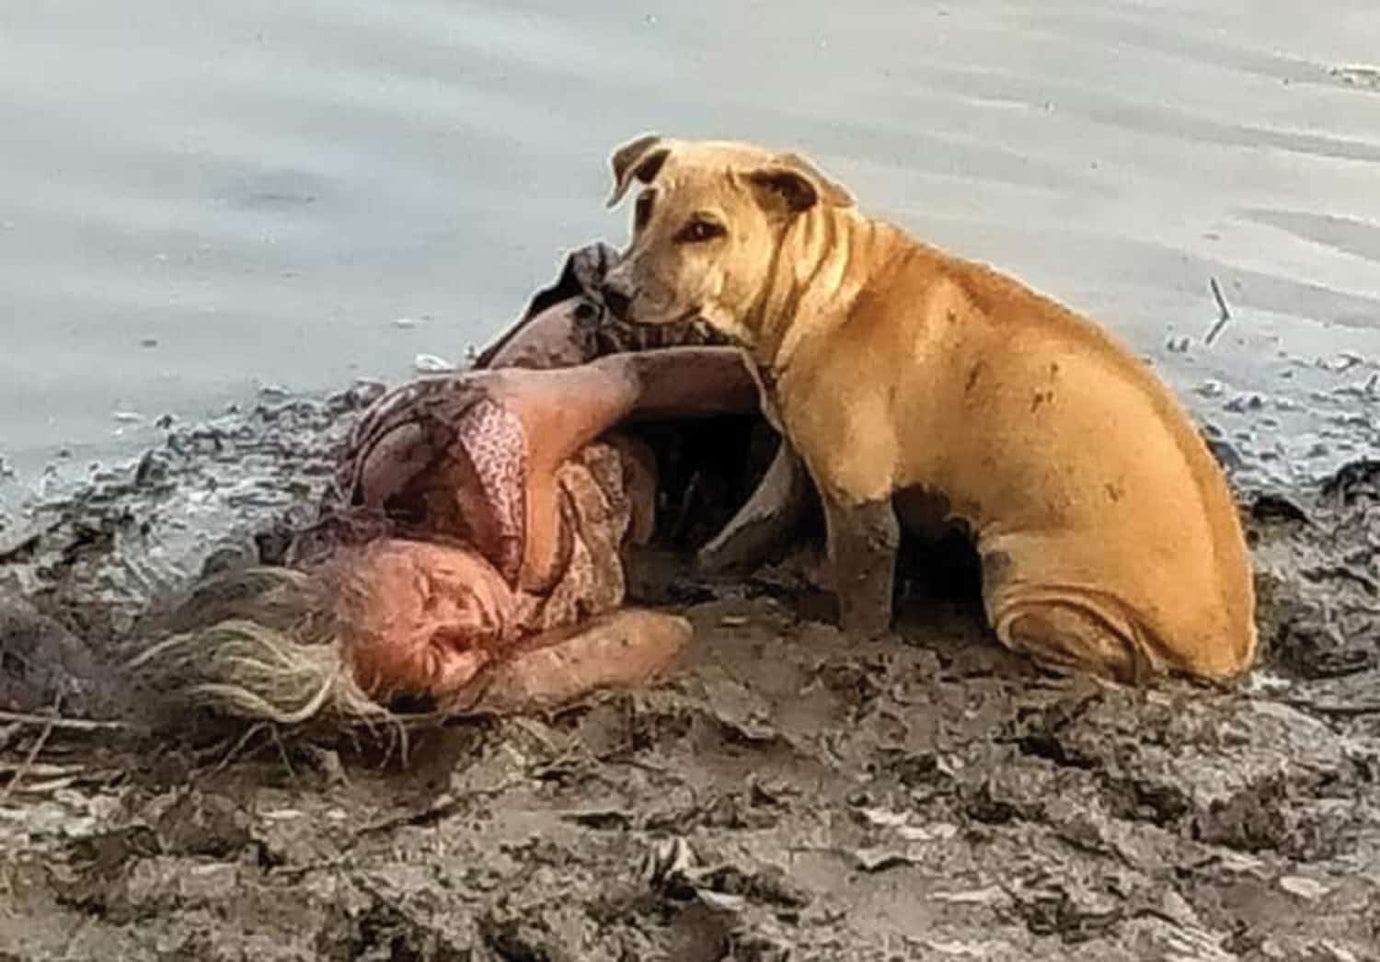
x=469 y=555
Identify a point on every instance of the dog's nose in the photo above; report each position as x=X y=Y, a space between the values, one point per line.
x=616 y=301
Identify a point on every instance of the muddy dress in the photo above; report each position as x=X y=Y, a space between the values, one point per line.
x=429 y=524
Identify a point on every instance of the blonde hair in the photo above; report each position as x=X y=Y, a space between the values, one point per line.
x=260 y=644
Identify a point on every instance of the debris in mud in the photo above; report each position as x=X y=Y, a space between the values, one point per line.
x=42 y=664
x=1223 y=313
x=432 y=364
x=1367 y=78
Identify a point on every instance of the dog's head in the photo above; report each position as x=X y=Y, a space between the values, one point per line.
x=707 y=227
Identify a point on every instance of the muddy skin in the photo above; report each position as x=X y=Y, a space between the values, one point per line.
x=504 y=508
x=785 y=795
x=470 y=548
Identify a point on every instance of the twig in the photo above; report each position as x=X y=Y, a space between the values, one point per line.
x=1223 y=315
x=282 y=753
x=52 y=785
x=235 y=748
x=33 y=752
x=70 y=724
x=444 y=807
x=41 y=769
x=296 y=871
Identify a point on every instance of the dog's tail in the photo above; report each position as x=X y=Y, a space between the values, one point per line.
x=259 y=645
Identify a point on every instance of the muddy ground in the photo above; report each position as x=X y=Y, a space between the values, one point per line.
x=784 y=796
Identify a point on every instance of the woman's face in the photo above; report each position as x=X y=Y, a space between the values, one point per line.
x=423 y=618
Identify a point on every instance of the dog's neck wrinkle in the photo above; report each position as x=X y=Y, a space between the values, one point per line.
x=805 y=284
x=756 y=319
x=796 y=263
x=795 y=282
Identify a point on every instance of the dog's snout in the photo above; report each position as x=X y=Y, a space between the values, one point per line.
x=616 y=299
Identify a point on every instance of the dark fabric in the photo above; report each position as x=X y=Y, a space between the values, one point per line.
x=583 y=277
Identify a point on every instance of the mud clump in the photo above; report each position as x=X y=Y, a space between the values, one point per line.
x=42 y=664
x=786 y=795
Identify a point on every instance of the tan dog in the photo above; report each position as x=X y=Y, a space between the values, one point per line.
x=1108 y=536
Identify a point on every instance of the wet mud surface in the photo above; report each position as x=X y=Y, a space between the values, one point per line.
x=785 y=795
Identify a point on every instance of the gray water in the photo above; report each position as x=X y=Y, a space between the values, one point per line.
x=199 y=199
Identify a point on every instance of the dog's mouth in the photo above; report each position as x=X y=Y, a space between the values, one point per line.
x=688 y=328
x=637 y=312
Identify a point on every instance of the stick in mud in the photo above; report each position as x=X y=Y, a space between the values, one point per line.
x=1223 y=315
x=1333 y=710
x=57 y=721
x=39 y=742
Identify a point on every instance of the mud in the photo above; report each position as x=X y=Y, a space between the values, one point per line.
x=785 y=795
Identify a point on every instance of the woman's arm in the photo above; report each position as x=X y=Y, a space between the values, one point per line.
x=557 y=329
x=679 y=382
x=560 y=336
x=563 y=410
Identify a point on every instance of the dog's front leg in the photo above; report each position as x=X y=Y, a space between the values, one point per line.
x=863 y=540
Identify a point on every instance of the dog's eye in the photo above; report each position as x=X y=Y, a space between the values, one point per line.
x=699 y=230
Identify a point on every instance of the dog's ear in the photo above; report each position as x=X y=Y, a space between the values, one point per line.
x=640 y=159
x=783 y=189
x=794 y=182
x=830 y=191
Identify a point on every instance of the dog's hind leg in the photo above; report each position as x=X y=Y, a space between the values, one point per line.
x=1070 y=635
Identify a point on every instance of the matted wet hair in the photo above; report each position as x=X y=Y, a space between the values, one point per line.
x=261 y=645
